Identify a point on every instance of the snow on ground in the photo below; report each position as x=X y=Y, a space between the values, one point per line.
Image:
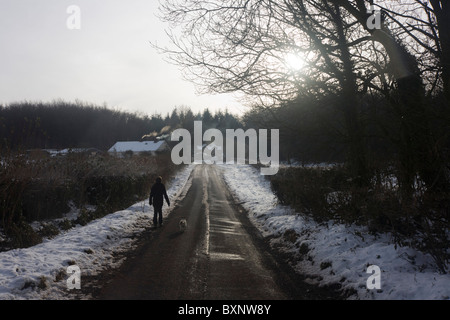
x=335 y=253
x=40 y=272
x=331 y=253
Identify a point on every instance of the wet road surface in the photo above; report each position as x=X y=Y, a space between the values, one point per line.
x=218 y=256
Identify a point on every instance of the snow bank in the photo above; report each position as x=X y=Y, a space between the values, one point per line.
x=334 y=253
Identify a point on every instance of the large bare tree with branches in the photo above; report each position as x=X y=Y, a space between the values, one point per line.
x=243 y=46
x=420 y=151
x=228 y=46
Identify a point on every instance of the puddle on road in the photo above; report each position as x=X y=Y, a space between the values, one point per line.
x=225 y=256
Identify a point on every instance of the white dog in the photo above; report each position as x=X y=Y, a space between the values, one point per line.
x=183 y=224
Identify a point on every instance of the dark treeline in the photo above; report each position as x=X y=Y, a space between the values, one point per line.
x=313 y=130
x=59 y=124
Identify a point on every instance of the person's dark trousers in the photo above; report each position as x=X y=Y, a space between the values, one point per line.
x=157 y=214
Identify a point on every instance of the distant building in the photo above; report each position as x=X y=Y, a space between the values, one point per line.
x=123 y=148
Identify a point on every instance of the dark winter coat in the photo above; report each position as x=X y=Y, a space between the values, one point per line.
x=158 y=194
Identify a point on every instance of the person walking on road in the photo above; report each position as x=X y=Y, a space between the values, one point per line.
x=157 y=195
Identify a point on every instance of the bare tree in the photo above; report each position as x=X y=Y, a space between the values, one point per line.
x=228 y=46
x=431 y=30
x=419 y=151
x=242 y=45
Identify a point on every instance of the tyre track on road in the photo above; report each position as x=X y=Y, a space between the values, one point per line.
x=221 y=255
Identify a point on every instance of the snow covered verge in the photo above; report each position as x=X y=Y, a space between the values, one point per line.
x=335 y=253
x=327 y=253
x=41 y=271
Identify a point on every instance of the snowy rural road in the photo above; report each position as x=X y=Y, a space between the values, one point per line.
x=240 y=244
x=219 y=256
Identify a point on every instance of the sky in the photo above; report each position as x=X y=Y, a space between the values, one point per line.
x=99 y=54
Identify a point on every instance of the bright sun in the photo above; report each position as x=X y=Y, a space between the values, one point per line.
x=294 y=62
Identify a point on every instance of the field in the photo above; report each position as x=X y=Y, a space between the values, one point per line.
x=39 y=194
